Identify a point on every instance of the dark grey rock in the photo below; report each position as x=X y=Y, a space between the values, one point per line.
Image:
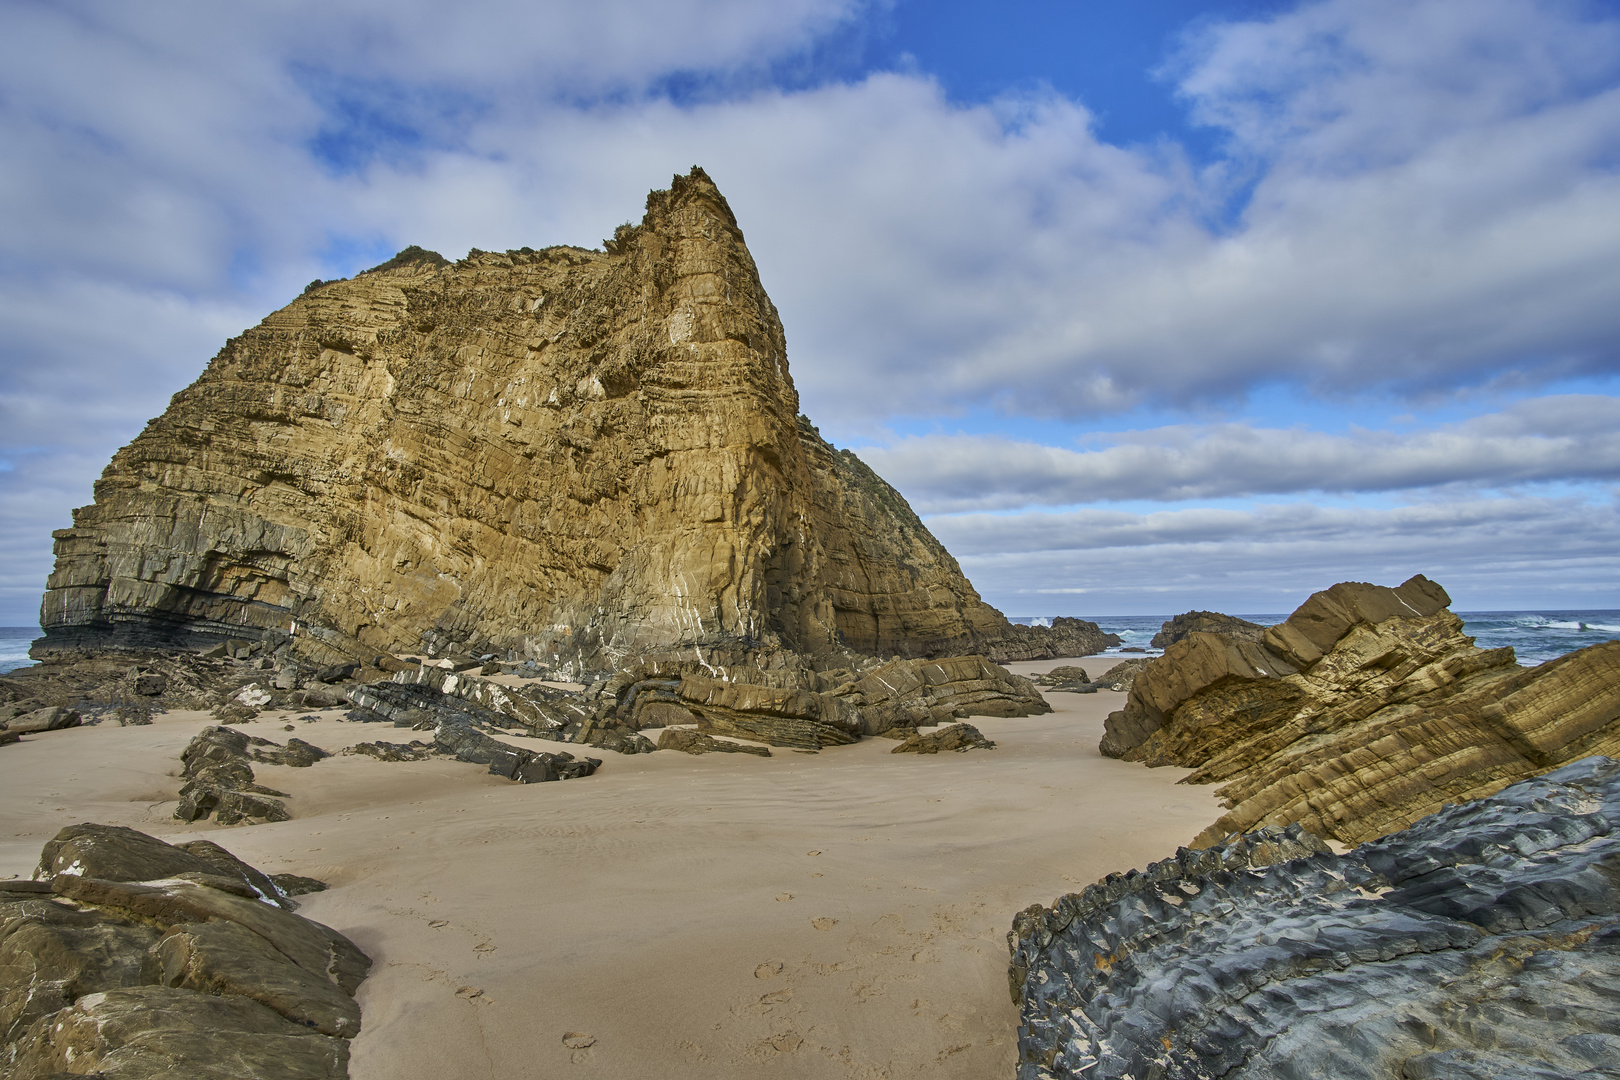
x=297 y=753
x=150 y=685
x=387 y=751
x=337 y=673
x=219 y=777
x=1481 y=942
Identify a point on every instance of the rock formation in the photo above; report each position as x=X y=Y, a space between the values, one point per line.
x=957 y=737
x=1205 y=622
x=1366 y=710
x=1482 y=943
x=563 y=454
x=695 y=742
x=217 y=767
x=787 y=703
x=130 y=958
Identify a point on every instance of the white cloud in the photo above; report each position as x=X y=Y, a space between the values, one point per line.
x=1573 y=438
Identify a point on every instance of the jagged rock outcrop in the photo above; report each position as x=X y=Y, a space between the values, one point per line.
x=130 y=958
x=1181 y=626
x=564 y=454
x=1482 y=943
x=1366 y=710
x=218 y=772
x=950 y=737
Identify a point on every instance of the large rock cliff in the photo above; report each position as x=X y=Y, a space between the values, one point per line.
x=568 y=453
x=1368 y=709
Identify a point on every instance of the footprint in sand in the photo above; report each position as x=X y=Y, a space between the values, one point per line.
x=784 y=896
x=824 y=923
x=776 y=997
x=578 y=1040
x=812 y=853
x=787 y=1043
x=770 y=969
x=436 y=923
x=472 y=993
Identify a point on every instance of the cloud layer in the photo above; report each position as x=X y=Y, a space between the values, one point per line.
x=1412 y=199
x=1564 y=438
x=1491 y=554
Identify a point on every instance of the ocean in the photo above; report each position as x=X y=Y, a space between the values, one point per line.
x=1536 y=636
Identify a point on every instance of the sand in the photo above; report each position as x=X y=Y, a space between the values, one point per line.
x=840 y=914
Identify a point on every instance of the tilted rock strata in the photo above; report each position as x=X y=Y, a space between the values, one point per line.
x=1065 y=637
x=1205 y=622
x=688 y=741
x=1367 y=710
x=574 y=454
x=951 y=737
x=130 y=959
x=1482 y=942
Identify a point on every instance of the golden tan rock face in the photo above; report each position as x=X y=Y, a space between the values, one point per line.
x=1367 y=710
x=567 y=452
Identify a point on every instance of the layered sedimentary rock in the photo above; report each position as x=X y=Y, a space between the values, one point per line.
x=1366 y=710
x=1205 y=622
x=785 y=703
x=572 y=454
x=1481 y=943
x=131 y=958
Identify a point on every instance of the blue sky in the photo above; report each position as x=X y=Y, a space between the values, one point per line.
x=1146 y=305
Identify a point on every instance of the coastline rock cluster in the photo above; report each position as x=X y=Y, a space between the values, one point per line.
x=1366 y=710
x=1482 y=943
x=562 y=455
x=130 y=958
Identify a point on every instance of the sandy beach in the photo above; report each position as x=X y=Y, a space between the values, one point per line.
x=833 y=914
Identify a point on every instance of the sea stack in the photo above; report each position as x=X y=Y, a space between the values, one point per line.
x=565 y=453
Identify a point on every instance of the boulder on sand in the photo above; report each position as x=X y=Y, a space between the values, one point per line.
x=131 y=958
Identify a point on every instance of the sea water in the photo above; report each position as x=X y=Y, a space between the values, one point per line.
x=1536 y=636
x=14 y=642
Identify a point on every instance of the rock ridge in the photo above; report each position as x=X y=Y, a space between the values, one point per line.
x=566 y=455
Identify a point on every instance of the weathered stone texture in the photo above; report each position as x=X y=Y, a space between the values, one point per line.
x=1482 y=943
x=1205 y=622
x=570 y=453
x=1367 y=710
x=130 y=959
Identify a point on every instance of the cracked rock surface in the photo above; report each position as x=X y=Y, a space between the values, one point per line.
x=1482 y=942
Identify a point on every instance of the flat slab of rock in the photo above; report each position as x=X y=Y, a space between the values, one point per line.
x=688 y=741
x=1481 y=943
